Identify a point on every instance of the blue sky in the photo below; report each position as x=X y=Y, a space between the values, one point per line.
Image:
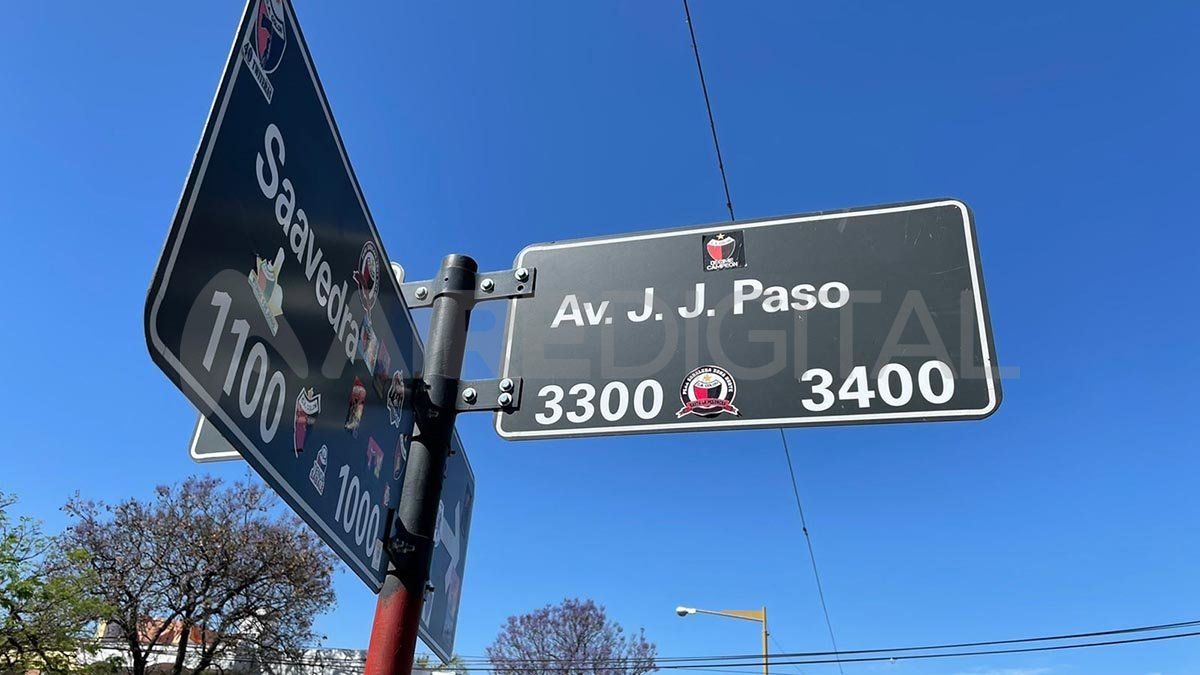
x=480 y=128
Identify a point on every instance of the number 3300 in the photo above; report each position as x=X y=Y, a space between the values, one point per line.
x=614 y=402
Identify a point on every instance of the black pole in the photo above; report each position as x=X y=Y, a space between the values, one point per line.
x=398 y=613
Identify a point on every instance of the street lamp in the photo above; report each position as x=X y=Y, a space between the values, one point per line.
x=747 y=614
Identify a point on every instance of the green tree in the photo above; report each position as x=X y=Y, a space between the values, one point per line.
x=429 y=662
x=44 y=611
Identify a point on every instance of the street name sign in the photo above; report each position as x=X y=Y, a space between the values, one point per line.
x=439 y=615
x=272 y=307
x=858 y=316
x=208 y=445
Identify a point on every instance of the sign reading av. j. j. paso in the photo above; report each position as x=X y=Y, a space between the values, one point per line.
x=858 y=316
x=273 y=308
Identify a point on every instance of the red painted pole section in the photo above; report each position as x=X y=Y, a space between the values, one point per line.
x=394 y=634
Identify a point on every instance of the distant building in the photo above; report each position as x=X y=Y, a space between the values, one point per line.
x=311 y=662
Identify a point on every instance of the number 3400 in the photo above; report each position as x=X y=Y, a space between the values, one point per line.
x=893 y=385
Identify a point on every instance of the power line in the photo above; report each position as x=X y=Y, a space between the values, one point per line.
x=891 y=650
x=712 y=123
x=720 y=667
x=780 y=648
x=812 y=556
x=982 y=652
x=728 y=664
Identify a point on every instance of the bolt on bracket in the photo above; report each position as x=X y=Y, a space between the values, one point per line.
x=502 y=394
x=500 y=285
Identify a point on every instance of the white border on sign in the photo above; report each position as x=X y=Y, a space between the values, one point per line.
x=206 y=457
x=349 y=555
x=777 y=421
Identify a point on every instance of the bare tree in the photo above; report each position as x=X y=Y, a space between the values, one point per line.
x=204 y=569
x=574 y=637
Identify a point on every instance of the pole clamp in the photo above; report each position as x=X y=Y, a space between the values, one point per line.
x=402 y=545
x=503 y=394
x=500 y=285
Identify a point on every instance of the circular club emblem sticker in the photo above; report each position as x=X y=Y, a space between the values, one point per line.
x=270 y=34
x=367 y=274
x=707 y=392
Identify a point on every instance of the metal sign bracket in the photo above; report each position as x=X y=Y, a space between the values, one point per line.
x=499 y=285
x=502 y=394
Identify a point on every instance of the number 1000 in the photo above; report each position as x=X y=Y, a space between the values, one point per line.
x=356 y=512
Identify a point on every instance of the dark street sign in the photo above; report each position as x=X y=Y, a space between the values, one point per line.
x=848 y=317
x=208 y=445
x=439 y=615
x=272 y=307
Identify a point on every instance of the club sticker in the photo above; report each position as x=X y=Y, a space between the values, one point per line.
x=265 y=42
x=316 y=475
x=358 y=399
x=723 y=251
x=395 y=399
x=368 y=344
x=308 y=406
x=707 y=392
x=400 y=458
x=383 y=366
x=374 y=457
x=367 y=275
x=264 y=282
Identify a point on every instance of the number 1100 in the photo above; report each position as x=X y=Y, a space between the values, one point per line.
x=251 y=395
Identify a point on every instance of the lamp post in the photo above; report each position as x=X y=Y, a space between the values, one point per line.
x=759 y=615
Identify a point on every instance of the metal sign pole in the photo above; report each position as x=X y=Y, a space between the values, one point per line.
x=398 y=613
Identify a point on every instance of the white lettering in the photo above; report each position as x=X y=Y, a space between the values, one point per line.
x=594 y=317
x=285 y=203
x=743 y=290
x=646 y=310
x=695 y=312
x=776 y=299
x=324 y=280
x=843 y=292
x=302 y=239
x=568 y=311
x=272 y=138
x=803 y=293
